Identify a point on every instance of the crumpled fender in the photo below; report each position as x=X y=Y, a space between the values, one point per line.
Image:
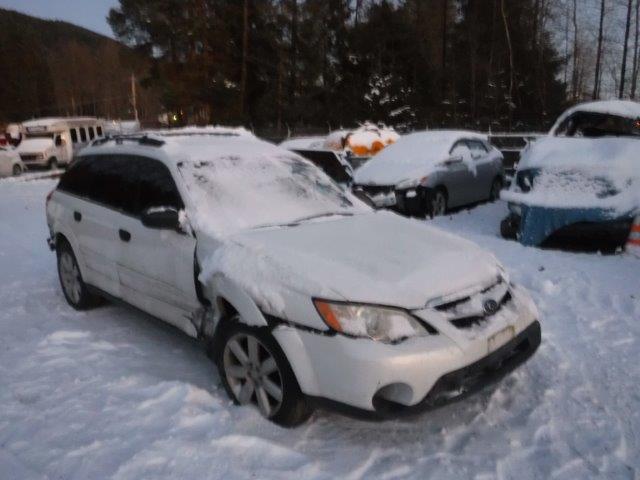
x=538 y=223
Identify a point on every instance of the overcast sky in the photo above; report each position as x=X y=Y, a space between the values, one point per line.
x=89 y=14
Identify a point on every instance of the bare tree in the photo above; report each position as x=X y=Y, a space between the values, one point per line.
x=596 y=82
x=634 y=70
x=574 y=71
x=510 y=48
x=245 y=54
x=623 y=72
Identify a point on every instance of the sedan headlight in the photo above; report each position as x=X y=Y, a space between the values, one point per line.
x=411 y=183
x=383 y=324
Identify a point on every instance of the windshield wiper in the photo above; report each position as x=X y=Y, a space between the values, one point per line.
x=320 y=215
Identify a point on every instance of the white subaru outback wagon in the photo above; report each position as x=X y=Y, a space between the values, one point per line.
x=302 y=294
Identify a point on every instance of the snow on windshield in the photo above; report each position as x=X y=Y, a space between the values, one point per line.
x=234 y=192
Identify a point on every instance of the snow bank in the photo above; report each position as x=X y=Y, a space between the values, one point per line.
x=153 y=406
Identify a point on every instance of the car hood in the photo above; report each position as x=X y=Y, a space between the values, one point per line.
x=376 y=172
x=378 y=258
x=34 y=145
x=601 y=173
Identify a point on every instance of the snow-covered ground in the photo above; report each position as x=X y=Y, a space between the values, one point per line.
x=113 y=393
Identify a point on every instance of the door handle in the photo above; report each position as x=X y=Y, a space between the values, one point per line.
x=124 y=235
x=77 y=216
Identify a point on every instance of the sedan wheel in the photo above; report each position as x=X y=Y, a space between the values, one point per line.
x=73 y=286
x=17 y=170
x=70 y=277
x=255 y=371
x=252 y=374
x=438 y=204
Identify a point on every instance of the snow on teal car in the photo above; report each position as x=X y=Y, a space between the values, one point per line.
x=582 y=182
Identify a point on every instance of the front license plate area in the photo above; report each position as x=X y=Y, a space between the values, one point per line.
x=500 y=338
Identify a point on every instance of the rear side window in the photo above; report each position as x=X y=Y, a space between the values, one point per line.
x=477 y=148
x=91 y=133
x=126 y=183
x=74 y=135
x=83 y=134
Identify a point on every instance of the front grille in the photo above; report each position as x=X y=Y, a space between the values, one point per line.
x=28 y=157
x=467 y=311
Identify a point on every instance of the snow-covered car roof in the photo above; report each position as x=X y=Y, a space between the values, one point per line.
x=303 y=143
x=413 y=152
x=236 y=181
x=620 y=108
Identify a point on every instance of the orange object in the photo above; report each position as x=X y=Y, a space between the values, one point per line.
x=327 y=315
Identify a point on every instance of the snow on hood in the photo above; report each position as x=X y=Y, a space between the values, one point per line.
x=237 y=183
x=210 y=130
x=379 y=258
x=413 y=156
x=582 y=172
x=35 y=145
x=621 y=108
x=303 y=143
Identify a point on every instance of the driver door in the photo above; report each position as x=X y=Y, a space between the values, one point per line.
x=156 y=267
x=459 y=179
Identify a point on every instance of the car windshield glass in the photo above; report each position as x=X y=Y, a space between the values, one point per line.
x=589 y=124
x=232 y=193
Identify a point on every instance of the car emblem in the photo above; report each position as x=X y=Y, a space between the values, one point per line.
x=490 y=307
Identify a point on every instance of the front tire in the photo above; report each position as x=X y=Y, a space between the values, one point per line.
x=53 y=163
x=255 y=371
x=73 y=287
x=17 y=170
x=437 y=203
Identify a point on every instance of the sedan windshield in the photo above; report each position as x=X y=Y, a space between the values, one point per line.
x=232 y=193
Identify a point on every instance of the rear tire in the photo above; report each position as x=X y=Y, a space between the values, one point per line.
x=73 y=287
x=17 y=170
x=254 y=370
x=496 y=187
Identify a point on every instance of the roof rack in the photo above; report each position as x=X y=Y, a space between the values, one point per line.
x=140 y=139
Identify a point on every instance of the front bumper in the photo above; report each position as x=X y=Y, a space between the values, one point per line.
x=558 y=226
x=361 y=375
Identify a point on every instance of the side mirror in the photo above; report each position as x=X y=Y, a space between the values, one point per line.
x=454 y=160
x=161 y=218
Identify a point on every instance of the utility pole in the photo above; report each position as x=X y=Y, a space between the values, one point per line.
x=596 y=84
x=134 y=98
x=625 y=50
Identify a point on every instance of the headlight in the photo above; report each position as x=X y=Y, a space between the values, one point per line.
x=411 y=183
x=382 y=324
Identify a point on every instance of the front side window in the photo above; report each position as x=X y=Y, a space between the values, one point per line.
x=593 y=125
x=477 y=148
x=99 y=130
x=156 y=187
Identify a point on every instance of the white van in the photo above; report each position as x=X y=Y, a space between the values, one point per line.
x=50 y=142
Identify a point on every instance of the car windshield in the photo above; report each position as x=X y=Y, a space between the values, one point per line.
x=593 y=125
x=232 y=193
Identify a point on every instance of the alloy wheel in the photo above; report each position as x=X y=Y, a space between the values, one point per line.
x=70 y=276
x=438 y=204
x=253 y=374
